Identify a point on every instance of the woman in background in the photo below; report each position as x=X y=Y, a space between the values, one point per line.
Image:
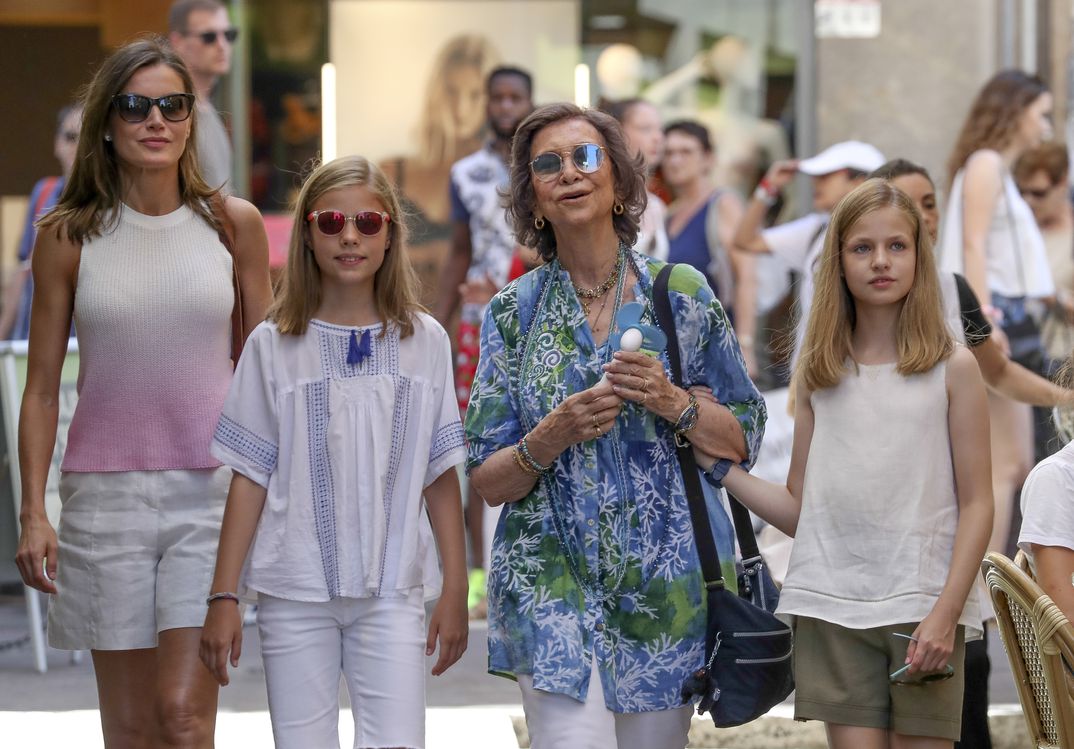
x=991 y=237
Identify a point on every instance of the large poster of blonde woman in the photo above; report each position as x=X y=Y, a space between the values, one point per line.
x=411 y=91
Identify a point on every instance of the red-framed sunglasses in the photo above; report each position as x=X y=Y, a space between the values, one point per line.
x=331 y=223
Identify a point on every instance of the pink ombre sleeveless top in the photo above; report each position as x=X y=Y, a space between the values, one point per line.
x=153 y=317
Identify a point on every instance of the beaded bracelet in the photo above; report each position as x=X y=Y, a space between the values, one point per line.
x=524 y=450
x=523 y=465
x=222 y=596
x=687 y=421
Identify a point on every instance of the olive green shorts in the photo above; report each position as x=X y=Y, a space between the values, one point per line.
x=841 y=677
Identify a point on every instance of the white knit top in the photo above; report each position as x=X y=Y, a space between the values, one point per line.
x=152 y=313
x=879 y=510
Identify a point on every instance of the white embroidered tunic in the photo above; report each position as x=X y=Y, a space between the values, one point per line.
x=345 y=452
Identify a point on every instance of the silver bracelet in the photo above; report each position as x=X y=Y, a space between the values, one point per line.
x=223 y=596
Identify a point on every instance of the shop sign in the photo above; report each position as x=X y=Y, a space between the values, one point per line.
x=847 y=19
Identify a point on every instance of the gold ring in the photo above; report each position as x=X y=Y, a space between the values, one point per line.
x=596 y=424
x=644 y=385
x=644 y=397
x=597 y=428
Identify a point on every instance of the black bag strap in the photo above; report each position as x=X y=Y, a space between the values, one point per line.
x=699 y=516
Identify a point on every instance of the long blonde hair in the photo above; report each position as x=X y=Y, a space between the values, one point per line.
x=90 y=199
x=439 y=137
x=395 y=283
x=921 y=335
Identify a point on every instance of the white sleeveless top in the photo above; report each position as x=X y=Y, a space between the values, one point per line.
x=879 y=510
x=1015 y=255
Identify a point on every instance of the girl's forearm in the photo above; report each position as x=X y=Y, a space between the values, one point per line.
x=971 y=541
x=443 y=500
x=772 y=502
x=245 y=501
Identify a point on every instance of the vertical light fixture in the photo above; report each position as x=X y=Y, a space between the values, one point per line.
x=581 y=84
x=328 y=112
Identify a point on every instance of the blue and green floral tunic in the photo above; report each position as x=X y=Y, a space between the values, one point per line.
x=599 y=560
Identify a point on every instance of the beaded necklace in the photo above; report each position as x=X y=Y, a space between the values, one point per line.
x=591 y=584
x=585 y=296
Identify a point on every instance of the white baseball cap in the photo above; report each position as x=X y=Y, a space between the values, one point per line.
x=850 y=154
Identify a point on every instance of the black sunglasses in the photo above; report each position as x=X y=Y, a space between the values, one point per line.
x=136 y=108
x=587 y=157
x=209 y=37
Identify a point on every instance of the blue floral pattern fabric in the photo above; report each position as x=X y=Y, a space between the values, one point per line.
x=599 y=561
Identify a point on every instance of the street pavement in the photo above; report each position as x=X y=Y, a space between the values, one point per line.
x=467 y=707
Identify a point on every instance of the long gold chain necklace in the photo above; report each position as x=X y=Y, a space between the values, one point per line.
x=585 y=296
x=600 y=312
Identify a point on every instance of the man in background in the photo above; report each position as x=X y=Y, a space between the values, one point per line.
x=202 y=35
x=482 y=248
x=19 y=290
x=836 y=171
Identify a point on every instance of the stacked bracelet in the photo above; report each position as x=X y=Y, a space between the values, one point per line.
x=223 y=596
x=525 y=467
x=522 y=456
x=687 y=421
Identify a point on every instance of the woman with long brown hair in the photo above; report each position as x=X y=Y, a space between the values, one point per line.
x=991 y=237
x=136 y=253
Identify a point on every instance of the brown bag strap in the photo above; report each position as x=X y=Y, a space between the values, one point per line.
x=227 y=238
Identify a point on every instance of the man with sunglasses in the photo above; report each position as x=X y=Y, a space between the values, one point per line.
x=482 y=248
x=202 y=35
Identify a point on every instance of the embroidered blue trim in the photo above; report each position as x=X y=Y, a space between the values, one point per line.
x=446 y=439
x=383 y=359
x=324 y=495
x=246 y=444
x=400 y=417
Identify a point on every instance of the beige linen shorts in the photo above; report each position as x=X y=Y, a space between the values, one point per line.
x=137 y=551
x=841 y=676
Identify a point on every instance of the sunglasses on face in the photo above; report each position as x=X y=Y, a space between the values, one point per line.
x=587 y=158
x=209 y=37
x=331 y=223
x=136 y=108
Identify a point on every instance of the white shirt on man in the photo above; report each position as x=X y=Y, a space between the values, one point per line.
x=799 y=245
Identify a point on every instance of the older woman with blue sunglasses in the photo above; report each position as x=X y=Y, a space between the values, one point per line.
x=596 y=598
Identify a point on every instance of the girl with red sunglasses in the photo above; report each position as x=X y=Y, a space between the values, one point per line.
x=341 y=417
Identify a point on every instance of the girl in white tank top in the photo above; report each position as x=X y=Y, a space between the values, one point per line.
x=889 y=493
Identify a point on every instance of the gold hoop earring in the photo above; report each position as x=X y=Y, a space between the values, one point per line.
x=538 y=223
x=618 y=209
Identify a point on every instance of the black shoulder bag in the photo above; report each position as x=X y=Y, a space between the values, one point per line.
x=748 y=665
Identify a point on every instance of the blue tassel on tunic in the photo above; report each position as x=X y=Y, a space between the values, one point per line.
x=357 y=352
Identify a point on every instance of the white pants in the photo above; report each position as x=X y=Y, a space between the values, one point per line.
x=377 y=643
x=556 y=721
